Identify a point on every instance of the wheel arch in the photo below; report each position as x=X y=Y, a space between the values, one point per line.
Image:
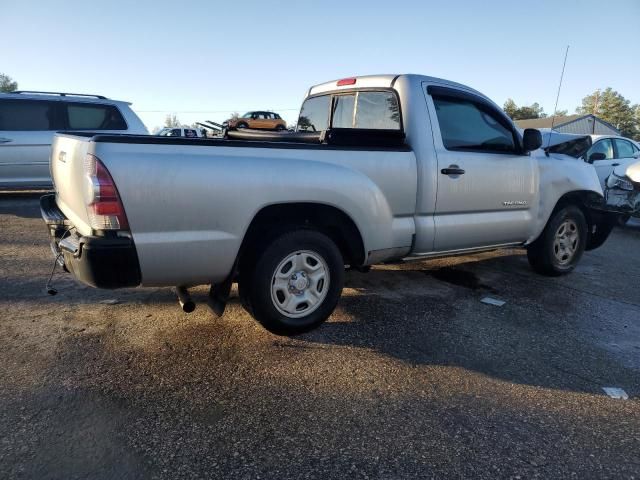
x=586 y=201
x=272 y=220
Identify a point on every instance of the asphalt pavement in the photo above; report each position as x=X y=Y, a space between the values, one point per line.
x=412 y=377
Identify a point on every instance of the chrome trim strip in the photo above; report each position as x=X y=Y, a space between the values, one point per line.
x=462 y=251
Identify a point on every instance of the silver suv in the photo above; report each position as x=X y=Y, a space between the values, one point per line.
x=28 y=121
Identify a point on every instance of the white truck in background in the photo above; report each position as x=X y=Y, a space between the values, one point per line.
x=383 y=168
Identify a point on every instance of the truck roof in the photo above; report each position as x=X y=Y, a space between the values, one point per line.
x=384 y=81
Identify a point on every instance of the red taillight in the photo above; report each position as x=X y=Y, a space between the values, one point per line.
x=104 y=205
x=346 y=81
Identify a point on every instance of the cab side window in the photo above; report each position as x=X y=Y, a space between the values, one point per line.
x=466 y=125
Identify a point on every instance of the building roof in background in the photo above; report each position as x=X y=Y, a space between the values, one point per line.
x=546 y=121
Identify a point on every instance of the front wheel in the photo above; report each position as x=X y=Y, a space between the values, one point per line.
x=561 y=244
x=296 y=283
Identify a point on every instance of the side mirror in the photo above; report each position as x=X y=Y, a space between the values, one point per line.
x=531 y=139
x=597 y=156
x=636 y=155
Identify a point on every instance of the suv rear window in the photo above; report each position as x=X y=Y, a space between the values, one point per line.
x=27 y=115
x=86 y=116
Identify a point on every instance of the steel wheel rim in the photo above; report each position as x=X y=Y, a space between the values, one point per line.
x=565 y=243
x=300 y=284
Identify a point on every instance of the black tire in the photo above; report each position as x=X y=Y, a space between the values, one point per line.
x=542 y=254
x=280 y=128
x=258 y=282
x=242 y=125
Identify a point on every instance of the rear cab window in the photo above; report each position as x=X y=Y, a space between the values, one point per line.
x=314 y=114
x=376 y=110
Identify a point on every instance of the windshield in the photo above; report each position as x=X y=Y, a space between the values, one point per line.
x=247 y=115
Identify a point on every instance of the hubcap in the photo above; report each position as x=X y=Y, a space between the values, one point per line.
x=300 y=284
x=566 y=241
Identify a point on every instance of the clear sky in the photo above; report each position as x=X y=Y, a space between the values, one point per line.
x=204 y=59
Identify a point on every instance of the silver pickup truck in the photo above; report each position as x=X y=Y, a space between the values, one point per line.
x=381 y=168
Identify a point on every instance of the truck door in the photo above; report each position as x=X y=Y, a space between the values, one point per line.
x=26 y=134
x=486 y=184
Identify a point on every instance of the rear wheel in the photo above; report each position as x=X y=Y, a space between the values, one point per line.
x=295 y=283
x=561 y=244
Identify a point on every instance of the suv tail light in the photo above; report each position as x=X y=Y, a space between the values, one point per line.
x=104 y=206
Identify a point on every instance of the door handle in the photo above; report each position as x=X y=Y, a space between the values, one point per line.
x=615 y=164
x=5 y=140
x=452 y=170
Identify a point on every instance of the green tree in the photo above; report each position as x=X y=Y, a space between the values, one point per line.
x=612 y=107
x=525 y=112
x=7 y=84
x=636 y=123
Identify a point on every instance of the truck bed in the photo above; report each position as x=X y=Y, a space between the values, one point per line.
x=189 y=205
x=344 y=138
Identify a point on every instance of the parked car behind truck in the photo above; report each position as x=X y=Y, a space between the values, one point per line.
x=257 y=120
x=392 y=167
x=29 y=120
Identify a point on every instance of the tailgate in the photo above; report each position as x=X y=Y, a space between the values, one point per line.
x=69 y=179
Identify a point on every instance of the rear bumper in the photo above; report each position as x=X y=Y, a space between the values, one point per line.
x=106 y=261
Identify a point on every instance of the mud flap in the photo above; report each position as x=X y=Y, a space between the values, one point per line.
x=218 y=296
x=601 y=225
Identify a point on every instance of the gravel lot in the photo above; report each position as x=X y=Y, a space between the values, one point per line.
x=412 y=377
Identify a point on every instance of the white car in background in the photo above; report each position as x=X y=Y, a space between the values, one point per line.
x=608 y=152
x=29 y=120
x=188 y=132
x=616 y=161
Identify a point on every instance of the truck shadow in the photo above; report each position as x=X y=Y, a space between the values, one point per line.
x=24 y=204
x=537 y=338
